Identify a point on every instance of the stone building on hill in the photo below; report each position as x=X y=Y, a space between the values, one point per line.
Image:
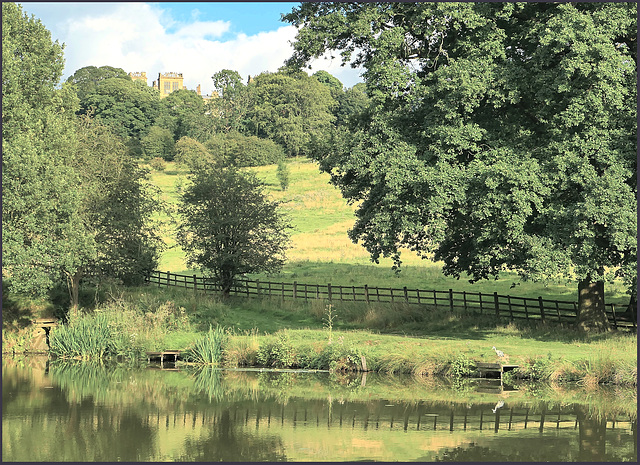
x=166 y=83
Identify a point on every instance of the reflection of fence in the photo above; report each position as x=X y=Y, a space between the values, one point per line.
x=349 y=415
x=490 y=304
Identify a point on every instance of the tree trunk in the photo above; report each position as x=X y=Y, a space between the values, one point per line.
x=73 y=283
x=591 y=312
x=592 y=437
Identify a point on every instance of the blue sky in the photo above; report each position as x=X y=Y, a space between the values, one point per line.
x=194 y=38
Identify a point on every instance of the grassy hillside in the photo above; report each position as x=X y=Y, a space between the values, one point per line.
x=322 y=252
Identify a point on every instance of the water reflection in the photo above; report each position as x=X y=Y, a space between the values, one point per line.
x=85 y=412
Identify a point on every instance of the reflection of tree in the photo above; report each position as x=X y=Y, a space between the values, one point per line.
x=509 y=450
x=225 y=444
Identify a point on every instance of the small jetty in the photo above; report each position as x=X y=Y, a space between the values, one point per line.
x=494 y=369
x=165 y=355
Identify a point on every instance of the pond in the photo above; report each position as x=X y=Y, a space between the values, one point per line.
x=56 y=411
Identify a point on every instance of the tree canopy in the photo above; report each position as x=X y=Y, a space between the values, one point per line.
x=499 y=136
x=229 y=227
x=86 y=79
x=41 y=231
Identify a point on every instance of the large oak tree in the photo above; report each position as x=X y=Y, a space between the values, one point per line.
x=499 y=135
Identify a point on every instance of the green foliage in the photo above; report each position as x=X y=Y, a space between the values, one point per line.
x=233 y=103
x=282 y=174
x=158 y=143
x=229 y=227
x=187 y=110
x=118 y=205
x=208 y=350
x=461 y=366
x=239 y=150
x=86 y=80
x=89 y=337
x=330 y=81
x=42 y=233
x=290 y=110
x=130 y=108
x=499 y=136
x=158 y=164
x=192 y=154
x=278 y=352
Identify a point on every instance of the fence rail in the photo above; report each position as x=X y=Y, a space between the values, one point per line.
x=490 y=304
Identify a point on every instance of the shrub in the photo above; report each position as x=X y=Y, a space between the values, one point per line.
x=157 y=164
x=158 y=143
x=278 y=352
x=242 y=151
x=283 y=174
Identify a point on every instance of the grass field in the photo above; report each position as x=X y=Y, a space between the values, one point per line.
x=323 y=253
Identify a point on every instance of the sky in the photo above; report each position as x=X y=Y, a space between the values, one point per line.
x=196 y=39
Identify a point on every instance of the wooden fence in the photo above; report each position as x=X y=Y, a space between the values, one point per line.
x=490 y=304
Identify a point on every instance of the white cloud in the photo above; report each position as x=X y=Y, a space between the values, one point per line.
x=143 y=37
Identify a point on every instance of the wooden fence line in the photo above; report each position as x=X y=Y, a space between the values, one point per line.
x=496 y=304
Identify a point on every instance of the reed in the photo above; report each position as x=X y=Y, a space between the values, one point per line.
x=89 y=337
x=208 y=349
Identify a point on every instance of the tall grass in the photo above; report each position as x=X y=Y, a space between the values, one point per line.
x=90 y=337
x=208 y=349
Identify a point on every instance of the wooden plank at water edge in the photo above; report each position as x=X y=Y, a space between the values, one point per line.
x=162 y=355
x=45 y=322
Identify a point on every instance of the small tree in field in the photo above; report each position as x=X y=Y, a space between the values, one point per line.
x=283 y=174
x=229 y=227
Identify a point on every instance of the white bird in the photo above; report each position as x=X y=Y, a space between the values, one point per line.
x=499 y=353
x=500 y=404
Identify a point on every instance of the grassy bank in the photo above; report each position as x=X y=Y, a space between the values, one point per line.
x=322 y=252
x=393 y=339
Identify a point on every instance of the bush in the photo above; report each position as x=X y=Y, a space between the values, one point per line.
x=157 y=164
x=158 y=143
x=242 y=151
x=192 y=154
x=283 y=174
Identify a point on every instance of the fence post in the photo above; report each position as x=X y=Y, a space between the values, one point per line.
x=464 y=299
x=282 y=292
x=258 y=287
x=168 y=278
x=615 y=321
x=366 y=293
x=295 y=290
x=451 y=299
x=406 y=294
x=329 y=291
x=541 y=308
x=195 y=283
x=495 y=301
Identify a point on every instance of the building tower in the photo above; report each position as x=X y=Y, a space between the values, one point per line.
x=168 y=82
x=139 y=76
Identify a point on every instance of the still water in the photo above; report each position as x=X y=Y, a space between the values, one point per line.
x=54 y=411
